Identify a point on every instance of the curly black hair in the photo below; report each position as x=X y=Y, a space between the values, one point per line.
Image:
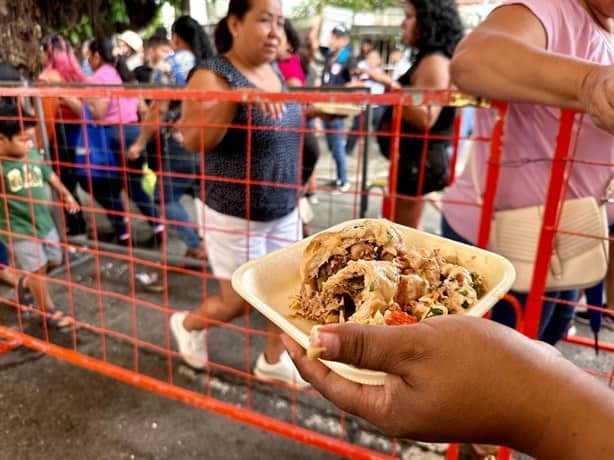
x=292 y=36
x=439 y=28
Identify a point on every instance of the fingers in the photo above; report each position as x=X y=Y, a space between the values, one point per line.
x=380 y=348
x=72 y=207
x=274 y=111
x=351 y=397
x=134 y=152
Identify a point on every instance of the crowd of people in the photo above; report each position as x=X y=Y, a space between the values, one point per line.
x=256 y=47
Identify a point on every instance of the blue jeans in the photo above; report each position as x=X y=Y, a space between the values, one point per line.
x=556 y=317
x=376 y=117
x=136 y=193
x=336 y=144
x=176 y=159
x=4 y=257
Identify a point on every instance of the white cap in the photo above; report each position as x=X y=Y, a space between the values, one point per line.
x=132 y=40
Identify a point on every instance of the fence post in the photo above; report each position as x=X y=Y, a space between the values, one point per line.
x=533 y=309
x=364 y=196
x=492 y=177
x=40 y=114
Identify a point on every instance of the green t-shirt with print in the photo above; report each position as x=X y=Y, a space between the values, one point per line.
x=25 y=199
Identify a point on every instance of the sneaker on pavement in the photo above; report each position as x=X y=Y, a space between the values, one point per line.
x=607 y=321
x=191 y=344
x=344 y=187
x=198 y=252
x=283 y=370
x=333 y=183
x=149 y=281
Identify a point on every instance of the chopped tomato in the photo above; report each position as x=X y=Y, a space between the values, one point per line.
x=398 y=318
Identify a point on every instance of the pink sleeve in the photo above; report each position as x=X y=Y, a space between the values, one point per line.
x=548 y=12
x=107 y=75
x=291 y=68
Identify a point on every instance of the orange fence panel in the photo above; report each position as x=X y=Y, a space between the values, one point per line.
x=120 y=293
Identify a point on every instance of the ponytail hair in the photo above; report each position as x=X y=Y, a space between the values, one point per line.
x=191 y=32
x=104 y=48
x=222 y=36
x=292 y=36
x=61 y=58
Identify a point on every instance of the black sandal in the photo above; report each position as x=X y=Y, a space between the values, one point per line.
x=24 y=298
x=59 y=319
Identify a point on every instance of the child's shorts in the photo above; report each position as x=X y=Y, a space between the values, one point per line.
x=31 y=254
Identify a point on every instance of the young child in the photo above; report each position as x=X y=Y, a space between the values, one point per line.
x=26 y=226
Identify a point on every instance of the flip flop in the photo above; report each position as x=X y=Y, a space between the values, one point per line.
x=59 y=319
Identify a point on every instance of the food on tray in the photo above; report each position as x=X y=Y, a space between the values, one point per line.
x=365 y=273
x=340 y=109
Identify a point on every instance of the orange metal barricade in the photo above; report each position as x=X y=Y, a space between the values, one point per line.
x=102 y=292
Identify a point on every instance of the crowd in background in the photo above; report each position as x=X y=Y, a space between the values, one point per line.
x=126 y=140
x=109 y=148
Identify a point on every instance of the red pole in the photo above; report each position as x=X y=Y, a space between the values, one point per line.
x=546 y=238
x=395 y=142
x=453 y=451
x=492 y=177
x=231 y=411
x=458 y=124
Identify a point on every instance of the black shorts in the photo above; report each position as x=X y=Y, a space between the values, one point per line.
x=437 y=163
x=436 y=171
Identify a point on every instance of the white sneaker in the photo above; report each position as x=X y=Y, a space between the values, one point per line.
x=344 y=187
x=191 y=344
x=283 y=370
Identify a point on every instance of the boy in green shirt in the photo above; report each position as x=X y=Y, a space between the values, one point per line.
x=26 y=226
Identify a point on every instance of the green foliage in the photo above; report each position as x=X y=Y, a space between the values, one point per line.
x=82 y=19
x=311 y=7
x=81 y=28
x=118 y=13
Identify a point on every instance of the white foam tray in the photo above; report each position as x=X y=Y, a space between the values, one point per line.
x=271 y=282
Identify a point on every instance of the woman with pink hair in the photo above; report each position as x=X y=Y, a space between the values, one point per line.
x=62 y=116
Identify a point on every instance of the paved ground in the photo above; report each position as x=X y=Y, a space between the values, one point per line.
x=58 y=411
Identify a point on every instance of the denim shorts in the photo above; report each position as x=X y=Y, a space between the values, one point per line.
x=32 y=255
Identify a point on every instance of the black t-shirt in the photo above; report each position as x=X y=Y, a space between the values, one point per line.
x=337 y=67
x=143 y=73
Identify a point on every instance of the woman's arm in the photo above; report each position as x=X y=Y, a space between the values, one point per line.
x=294 y=82
x=155 y=111
x=433 y=73
x=74 y=104
x=70 y=202
x=98 y=107
x=461 y=379
x=505 y=58
x=379 y=77
x=203 y=123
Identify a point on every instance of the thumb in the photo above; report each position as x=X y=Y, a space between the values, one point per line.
x=379 y=348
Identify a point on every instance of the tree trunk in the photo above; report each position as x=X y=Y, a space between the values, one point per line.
x=20 y=34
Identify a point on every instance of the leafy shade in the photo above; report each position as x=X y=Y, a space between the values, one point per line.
x=82 y=19
x=311 y=7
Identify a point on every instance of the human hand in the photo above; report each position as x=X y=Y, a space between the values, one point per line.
x=451 y=378
x=71 y=204
x=271 y=110
x=135 y=150
x=597 y=96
